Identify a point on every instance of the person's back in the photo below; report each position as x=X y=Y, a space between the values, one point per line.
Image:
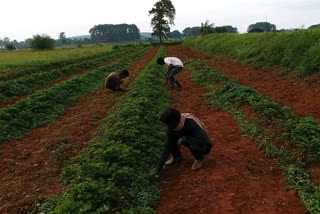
x=174 y=61
x=114 y=80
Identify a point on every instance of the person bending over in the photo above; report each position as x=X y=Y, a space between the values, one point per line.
x=174 y=66
x=115 y=79
x=187 y=130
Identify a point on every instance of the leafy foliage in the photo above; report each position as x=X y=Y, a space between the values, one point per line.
x=298 y=50
x=114 y=173
x=304 y=131
x=10 y=47
x=264 y=26
x=115 y=33
x=42 y=42
x=163 y=16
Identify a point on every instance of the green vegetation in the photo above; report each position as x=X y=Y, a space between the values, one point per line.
x=20 y=58
x=303 y=132
x=114 y=174
x=10 y=47
x=163 y=14
x=115 y=33
x=299 y=50
x=43 y=42
x=45 y=106
x=27 y=84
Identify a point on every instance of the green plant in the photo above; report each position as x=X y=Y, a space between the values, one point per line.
x=114 y=173
x=46 y=105
x=10 y=47
x=41 y=42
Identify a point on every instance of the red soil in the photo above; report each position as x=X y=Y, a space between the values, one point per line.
x=236 y=177
x=301 y=96
x=31 y=168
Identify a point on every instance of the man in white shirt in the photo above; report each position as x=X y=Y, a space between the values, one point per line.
x=174 y=66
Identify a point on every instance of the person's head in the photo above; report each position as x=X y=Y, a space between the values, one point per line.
x=160 y=61
x=124 y=74
x=171 y=118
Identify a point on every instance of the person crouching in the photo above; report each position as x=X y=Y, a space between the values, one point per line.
x=183 y=129
x=115 y=79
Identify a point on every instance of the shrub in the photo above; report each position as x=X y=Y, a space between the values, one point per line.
x=42 y=42
x=11 y=46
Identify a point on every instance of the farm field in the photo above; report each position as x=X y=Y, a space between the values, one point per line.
x=11 y=60
x=265 y=157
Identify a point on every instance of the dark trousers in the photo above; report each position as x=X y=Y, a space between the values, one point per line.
x=172 y=72
x=198 y=151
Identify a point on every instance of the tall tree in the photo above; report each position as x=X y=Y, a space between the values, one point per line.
x=163 y=16
x=63 y=38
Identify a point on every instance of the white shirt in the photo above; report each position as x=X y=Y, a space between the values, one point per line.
x=173 y=61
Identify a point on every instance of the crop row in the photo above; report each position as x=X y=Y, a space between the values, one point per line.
x=49 y=66
x=299 y=50
x=114 y=173
x=232 y=97
x=45 y=106
x=29 y=83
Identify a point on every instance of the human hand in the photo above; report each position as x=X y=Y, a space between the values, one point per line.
x=179 y=142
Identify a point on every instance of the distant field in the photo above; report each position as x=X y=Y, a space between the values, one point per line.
x=12 y=59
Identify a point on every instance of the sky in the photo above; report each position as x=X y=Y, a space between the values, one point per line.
x=20 y=19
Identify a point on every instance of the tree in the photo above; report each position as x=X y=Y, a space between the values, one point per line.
x=256 y=30
x=6 y=40
x=265 y=26
x=176 y=34
x=42 y=42
x=63 y=38
x=163 y=16
x=11 y=46
x=206 y=28
x=193 y=31
x=314 y=26
x=226 y=29
x=114 y=33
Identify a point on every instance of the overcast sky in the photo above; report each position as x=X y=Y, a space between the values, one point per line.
x=20 y=19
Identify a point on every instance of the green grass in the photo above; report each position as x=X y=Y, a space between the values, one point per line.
x=115 y=172
x=299 y=51
x=20 y=58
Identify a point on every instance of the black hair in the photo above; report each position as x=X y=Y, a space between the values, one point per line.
x=170 y=115
x=125 y=73
x=160 y=61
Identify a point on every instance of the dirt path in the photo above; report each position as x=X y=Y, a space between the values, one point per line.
x=301 y=96
x=31 y=168
x=236 y=177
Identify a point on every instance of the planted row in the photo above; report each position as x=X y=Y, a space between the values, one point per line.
x=298 y=50
x=27 y=84
x=304 y=132
x=114 y=174
x=45 y=106
x=50 y=66
x=231 y=97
